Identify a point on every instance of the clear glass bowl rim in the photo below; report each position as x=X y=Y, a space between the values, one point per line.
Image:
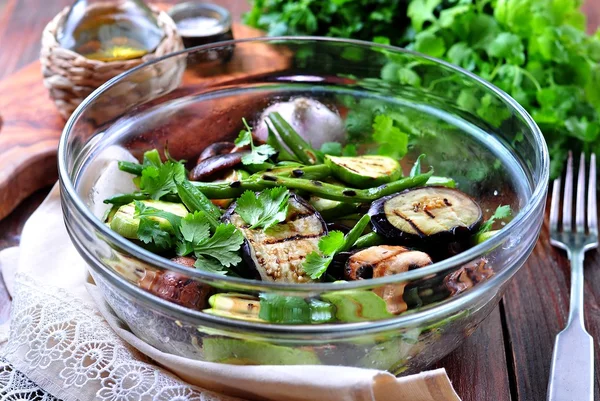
x=538 y=194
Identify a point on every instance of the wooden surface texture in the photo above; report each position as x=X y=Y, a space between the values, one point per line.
x=507 y=358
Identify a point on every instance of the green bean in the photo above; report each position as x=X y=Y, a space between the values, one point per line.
x=316 y=172
x=354 y=234
x=131 y=168
x=124 y=199
x=302 y=149
x=283 y=154
x=370 y=239
x=322 y=189
x=195 y=200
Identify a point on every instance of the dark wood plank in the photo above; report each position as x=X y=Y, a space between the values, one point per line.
x=478 y=368
x=537 y=305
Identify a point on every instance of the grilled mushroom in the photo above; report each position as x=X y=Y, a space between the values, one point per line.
x=217 y=148
x=207 y=168
x=385 y=260
x=468 y=276
x=176 y=287
x=277 y=254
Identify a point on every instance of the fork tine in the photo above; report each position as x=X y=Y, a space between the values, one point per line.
x=580 y=208
x=567 y=216
x=555 y=204
x=592 y=204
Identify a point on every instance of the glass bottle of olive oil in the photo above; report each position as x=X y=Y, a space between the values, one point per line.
x=110 y=30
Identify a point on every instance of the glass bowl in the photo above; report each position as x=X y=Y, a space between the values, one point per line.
x=468 y=129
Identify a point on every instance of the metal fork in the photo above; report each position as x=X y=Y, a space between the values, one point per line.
x=572 y=372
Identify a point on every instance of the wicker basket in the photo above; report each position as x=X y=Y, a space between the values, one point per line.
x=70 y=77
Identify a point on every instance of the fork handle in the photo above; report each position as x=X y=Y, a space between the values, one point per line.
x=572 y=371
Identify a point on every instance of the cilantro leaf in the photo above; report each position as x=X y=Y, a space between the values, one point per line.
x=245 y=136
x=315 y=264
x=502 y=212
x=221 y=250
x=158 y=181
x=332 y=148
x=149 y=231
x=258 y=154
x=141 y=210
x=331 y=243
x=265 y=210
x=195 y=227
x=392 y=141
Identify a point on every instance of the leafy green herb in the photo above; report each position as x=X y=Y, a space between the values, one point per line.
x=158 y=178
x=535 y=50
x=149 y=230
x=258 y=154
x=220 y=251
x=265 y=210
x=502 y=212
x=416 y=168
x=392 y=141
x=330 y=245
x=336 y=149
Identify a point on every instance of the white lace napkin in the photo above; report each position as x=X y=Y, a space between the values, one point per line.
x=64 y=339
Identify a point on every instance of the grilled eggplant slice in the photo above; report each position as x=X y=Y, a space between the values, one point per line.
x=278 y=253
x=385 y=260
x=426 y=213
x=364 y=171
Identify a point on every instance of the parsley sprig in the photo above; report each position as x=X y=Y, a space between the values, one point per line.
x=265 y=209
x=330 y=245
x=258 y=154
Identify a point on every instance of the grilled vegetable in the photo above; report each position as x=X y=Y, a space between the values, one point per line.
x=357 y=305
x=278 y=253
x=330 y=209
x=124 y=222
x=427 y=213
x=364 y=171
x=217 y=148
x=175 y=287
x=385 y=260
x=246 y=352
x=322 y=189
x=207 y=168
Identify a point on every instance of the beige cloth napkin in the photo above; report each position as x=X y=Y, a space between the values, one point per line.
x=65 y=338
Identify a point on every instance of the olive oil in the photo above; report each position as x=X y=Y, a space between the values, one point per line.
x=110 y=30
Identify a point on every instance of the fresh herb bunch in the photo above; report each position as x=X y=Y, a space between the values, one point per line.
x=535 y=50
x=359 y=19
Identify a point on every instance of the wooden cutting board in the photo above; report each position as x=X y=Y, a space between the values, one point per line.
x=30 y=127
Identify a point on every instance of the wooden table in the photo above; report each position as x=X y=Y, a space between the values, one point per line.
x=507 y=358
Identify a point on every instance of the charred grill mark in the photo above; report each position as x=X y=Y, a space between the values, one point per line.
x=428 y=213
x=412 y=223
x=235 y=184
x=447 y=203
x=317 y=183
x=349 y=168
x=269 y=177
x=297 y=215
x=271 y=241
x=298 y=173
x=349 y=192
